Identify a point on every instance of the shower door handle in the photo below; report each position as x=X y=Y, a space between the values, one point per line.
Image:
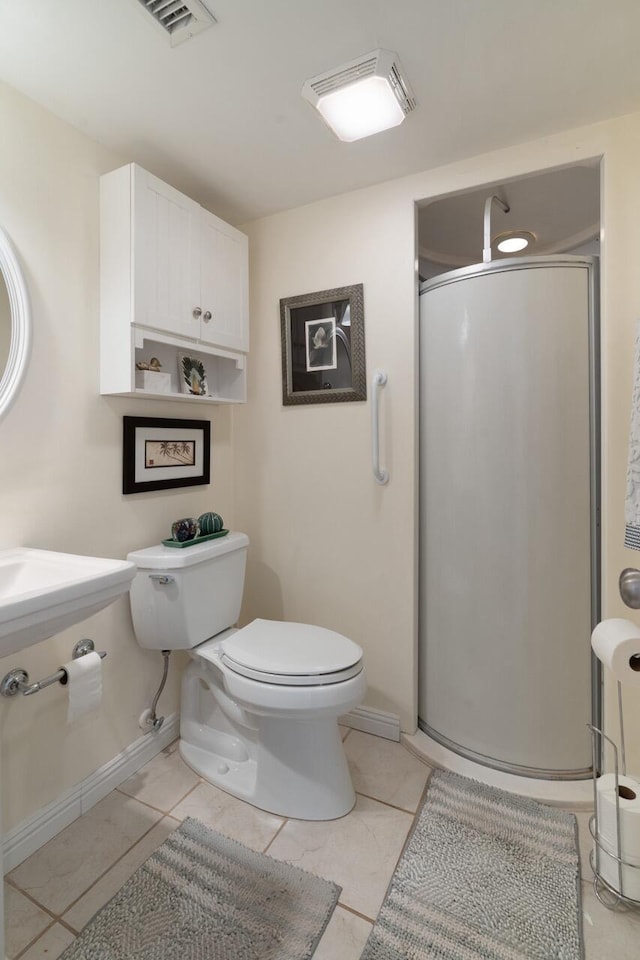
x=379 y=380
x=629 y=586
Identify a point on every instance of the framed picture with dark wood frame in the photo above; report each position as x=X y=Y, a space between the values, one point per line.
x=160 y=453
x=323 y=355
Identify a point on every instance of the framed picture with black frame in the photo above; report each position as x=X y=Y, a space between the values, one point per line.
x=162 y=453
x=323 y=349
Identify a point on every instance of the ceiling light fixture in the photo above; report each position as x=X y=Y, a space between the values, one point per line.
x=363 y=97
x=514 y=241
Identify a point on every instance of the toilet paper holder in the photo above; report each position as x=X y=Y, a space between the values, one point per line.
x=609 y=896
x=17 y=680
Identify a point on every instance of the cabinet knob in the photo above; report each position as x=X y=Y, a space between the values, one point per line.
x=207 y=316
x=197 y=312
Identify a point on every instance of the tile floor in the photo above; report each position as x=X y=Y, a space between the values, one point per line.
x=53 y=894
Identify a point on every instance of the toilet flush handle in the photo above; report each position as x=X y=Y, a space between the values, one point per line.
x=161 y=578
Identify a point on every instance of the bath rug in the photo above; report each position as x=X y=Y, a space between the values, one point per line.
x=485 y=875
x=202 y=896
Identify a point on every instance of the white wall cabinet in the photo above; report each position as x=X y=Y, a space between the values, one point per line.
x=224 y=283
x=173 y=280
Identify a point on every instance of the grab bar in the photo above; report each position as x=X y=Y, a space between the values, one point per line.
x=379 y=380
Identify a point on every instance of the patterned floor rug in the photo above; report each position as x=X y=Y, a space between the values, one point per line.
x=201 y=896
x=485 y=875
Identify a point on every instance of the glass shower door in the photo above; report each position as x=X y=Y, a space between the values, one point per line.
x=506 y=513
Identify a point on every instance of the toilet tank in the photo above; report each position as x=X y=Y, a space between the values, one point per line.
x=182 y=596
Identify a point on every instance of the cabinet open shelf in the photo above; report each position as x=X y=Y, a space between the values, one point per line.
x=225 y=371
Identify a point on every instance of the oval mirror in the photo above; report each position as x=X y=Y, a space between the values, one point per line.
x=15 y=324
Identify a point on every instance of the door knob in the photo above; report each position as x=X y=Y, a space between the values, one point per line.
x=629 y=585
x=207 y=316
x=197 y=312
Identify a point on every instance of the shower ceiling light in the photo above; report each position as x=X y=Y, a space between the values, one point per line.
x=363 y=97
x=514 y=241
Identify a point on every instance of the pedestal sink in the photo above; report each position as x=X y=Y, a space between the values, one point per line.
x=43 y=592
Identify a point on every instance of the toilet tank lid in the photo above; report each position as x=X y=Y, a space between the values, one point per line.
x=160 y=557
x=294 y=649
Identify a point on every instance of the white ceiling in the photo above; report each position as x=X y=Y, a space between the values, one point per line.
x=221 y=116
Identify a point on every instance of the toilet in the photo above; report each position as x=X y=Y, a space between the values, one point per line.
x=259 y=705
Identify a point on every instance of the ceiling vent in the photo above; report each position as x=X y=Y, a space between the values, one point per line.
x=181 y=19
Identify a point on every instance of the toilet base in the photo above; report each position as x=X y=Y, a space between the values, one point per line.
x=235 y=777
x=319 y=788
x=287 y=759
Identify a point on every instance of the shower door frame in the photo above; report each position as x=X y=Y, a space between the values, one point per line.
x=591 y=264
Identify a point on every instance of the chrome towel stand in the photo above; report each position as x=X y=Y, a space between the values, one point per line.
x=17 y=680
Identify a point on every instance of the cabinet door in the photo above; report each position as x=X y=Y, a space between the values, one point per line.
x=224 y=279
x=165 y=256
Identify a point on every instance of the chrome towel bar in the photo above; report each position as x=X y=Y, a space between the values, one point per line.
x=17 y=680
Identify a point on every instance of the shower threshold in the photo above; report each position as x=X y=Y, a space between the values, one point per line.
x=576 y=794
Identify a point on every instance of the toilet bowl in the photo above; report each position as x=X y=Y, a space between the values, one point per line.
x=259 y=705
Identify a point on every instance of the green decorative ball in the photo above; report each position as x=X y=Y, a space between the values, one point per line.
x=210 y=523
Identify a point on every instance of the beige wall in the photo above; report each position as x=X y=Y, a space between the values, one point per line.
x=328 y=544
x=60 y=469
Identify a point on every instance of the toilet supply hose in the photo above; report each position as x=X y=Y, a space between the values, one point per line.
x=154 y=721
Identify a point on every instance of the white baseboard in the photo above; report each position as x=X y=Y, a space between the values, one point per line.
x=377 y=722
x=23 y=840
x=28 y=836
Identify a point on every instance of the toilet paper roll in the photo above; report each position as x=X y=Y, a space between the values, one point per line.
x=629 y=808
x=616 y=643
x=84 y=683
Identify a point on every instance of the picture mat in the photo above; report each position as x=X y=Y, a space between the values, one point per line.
x=141 y=473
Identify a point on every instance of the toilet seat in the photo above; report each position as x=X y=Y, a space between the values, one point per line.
x=288 y=654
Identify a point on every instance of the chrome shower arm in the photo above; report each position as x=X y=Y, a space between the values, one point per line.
x=486 y=250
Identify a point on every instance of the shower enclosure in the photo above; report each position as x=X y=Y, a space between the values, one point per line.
x=509 y=513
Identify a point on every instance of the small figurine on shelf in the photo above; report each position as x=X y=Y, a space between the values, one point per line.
x=154 y=365
x=150 y=378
